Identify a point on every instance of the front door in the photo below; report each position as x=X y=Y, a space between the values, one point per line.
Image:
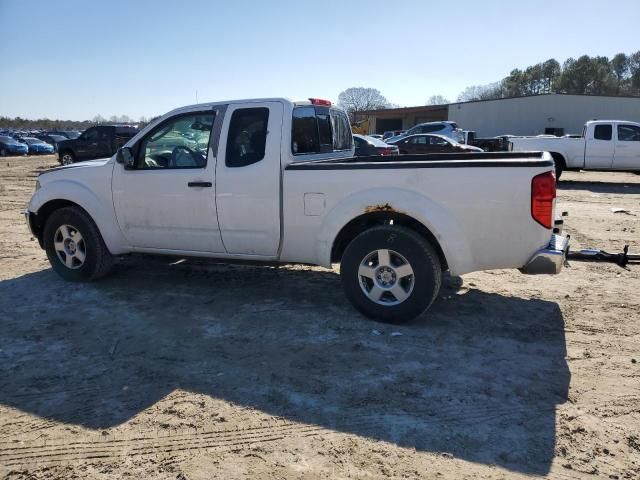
x=599 y=147
x=86 y=142
x=248 y=179
x=167 y=200
x=627 y=156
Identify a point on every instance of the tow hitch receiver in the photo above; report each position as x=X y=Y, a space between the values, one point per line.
x=595 y=255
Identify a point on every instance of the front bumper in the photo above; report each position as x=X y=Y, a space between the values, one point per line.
x=28 y=216
x=548 y=260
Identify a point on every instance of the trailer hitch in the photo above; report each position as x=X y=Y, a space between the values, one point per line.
x=596 y=255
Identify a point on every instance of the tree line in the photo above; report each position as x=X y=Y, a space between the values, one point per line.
x=582 y=76
x=48 y=124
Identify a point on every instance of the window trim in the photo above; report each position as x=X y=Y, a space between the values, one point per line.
x=138 y=145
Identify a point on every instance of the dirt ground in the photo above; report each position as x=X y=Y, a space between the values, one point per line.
x=196 y=370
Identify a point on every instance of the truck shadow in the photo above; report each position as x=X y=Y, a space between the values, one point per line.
x=479 y=377
x=600 y=187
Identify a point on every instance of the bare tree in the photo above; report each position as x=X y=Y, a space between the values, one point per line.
x=359 y=99
x=437 y=100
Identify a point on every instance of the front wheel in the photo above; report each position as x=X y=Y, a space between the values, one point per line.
x=75 y=247
x=67 y=158
x=391 y=273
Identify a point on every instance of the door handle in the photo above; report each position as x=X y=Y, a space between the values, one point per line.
x=200 y=184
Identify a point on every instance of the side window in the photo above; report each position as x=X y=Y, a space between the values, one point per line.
x=179 y=142
x=324 y=132
x=90 y=135
x=247 y=137
x=628 y=133
x=438 y=141
x=304 y=135
x=103 y=135
x=342 y=136
x=602 y=132
x=421 y=140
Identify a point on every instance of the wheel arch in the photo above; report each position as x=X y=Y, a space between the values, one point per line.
x=61 y=194
x=383 y=217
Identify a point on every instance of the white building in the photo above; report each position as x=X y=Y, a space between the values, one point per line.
x=557 y=114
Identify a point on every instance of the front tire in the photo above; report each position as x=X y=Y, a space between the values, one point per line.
x=391 y=273
x=67 y=158
x=75 y=247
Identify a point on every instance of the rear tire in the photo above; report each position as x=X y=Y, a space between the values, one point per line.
x=391 y=273
x=75 y=247
x=560 y=166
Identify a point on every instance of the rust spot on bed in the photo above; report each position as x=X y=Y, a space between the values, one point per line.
x=382 y=207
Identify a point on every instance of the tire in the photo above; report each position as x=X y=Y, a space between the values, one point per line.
x=559 y=163
x=67 y=158
x=75 y=247
x=3 y=152
x=386 y=273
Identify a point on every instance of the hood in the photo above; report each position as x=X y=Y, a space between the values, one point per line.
x=87 y=164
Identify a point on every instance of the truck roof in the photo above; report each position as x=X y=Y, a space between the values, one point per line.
x=187 y=108
x=611 y=121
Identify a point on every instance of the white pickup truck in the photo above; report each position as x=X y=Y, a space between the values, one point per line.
x=272 y=180
x=604 y=145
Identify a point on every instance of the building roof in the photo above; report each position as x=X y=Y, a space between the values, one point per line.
x=422 y=108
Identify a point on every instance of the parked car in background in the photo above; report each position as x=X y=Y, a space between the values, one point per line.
x=51 y=139
x=36 y=145
x=603 y=145
x=95 y=142
x=446 y=128
x=368 y=146
x=429 y=143
x=70 y=134
x=392 y=133
x=11 y=146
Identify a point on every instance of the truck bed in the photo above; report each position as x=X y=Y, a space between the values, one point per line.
x=430 y=160
x=477 y=205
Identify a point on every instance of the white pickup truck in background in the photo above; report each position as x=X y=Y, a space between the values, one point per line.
x=604 y=145
x=271 y=180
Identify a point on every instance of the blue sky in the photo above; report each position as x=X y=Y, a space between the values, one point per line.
x=75 y=59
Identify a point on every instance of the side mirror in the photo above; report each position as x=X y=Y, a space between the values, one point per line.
x=125 y=157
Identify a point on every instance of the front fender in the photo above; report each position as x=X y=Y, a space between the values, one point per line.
x=100 y=209
x=435 y=217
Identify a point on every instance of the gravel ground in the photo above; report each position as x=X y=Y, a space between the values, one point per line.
x=197 y=370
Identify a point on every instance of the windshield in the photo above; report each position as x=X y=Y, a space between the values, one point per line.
x=4 y=138
x=31 y=140
x=375 y=141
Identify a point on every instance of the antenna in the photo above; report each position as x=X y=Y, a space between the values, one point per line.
x=196 y=96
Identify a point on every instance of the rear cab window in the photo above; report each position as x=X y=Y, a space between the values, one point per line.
x=602 y=132
x=319 y=129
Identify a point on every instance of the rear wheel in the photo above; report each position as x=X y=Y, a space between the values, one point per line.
x=75 y=247
x=390 y=273
x=67 y=158
x=560 y=166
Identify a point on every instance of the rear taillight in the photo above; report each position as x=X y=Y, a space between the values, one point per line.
x=543 y=195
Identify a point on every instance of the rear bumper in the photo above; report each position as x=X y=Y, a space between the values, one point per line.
x=548 y=260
